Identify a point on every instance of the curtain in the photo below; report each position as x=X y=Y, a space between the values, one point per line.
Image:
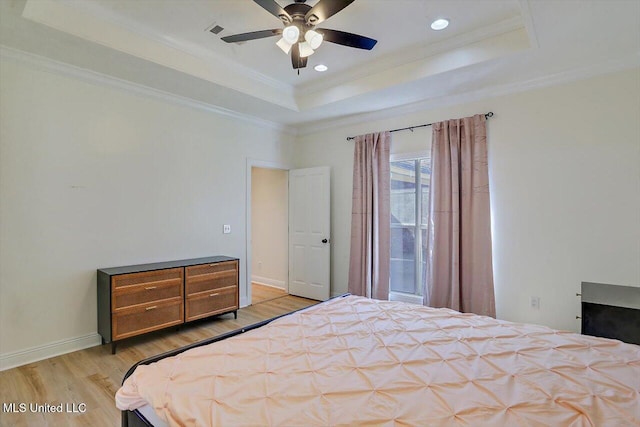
x=370 y=217
x=459 y=264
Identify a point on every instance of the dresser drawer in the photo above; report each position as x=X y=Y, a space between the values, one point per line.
x=149 y=278
x=197 y=270
x=211 y=277
x=141 y=319
x=210 y=303
x=129 y=296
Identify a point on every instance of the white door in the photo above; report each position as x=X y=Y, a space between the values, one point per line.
x=309 y=226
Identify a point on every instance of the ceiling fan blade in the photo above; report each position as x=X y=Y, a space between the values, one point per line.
x=252 y=36
x=274 y=8
x=347 y=39
x=325 y=9
x=296 y=61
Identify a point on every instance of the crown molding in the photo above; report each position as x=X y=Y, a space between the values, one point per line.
x=213 y=58
x=76 y=21
x=410 y=54
x=529 y=25
x=568 y=76
x=308 y=128
x=51 y=65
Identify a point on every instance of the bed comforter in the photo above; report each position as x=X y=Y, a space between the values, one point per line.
x=354 y=361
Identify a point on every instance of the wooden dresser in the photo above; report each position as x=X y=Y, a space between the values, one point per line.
x=137 y=299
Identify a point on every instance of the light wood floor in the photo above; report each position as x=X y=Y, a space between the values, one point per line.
x=93 y=376
x=261 y=293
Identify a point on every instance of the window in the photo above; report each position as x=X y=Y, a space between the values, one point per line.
x=410 y=179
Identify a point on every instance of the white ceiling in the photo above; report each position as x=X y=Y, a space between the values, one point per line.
x=491 y=47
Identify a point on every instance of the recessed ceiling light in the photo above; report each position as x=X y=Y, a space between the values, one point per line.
x=439 y=24
x=321 y=67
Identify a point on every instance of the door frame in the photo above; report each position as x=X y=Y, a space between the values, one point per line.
x=245 y=299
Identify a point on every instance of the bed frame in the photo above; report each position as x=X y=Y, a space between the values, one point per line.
x=135 y=418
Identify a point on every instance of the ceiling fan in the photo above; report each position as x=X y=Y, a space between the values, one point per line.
x=299 y=35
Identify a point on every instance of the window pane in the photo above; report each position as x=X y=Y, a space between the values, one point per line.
x=403 y=187
x=403 y=260
x=406 y=191
x=425 y=181
x=423 y=266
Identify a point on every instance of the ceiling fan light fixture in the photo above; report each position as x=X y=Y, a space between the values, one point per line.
x=284 y=45
x=305 y=50
x=291 y=34
x=314 y=38
x=299 y=37
x=439 y=24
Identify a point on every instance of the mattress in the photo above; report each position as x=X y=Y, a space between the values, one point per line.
x=354 y=361
x=150 y=415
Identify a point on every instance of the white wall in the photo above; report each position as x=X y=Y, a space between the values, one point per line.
x=565 y=187
x=92 y=176
x=269 y=227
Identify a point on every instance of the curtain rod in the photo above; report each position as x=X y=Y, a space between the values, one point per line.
x=411 y=128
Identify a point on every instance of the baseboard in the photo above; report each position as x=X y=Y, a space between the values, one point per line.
x=280 y=284
x=34 y=354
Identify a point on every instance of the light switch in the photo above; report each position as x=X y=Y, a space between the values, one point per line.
x=534 y=303
x=226 y=228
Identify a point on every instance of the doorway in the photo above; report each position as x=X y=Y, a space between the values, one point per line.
x=305 y=226
x=269 y=234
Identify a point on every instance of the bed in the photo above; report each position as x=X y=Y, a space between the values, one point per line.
x=357 y=361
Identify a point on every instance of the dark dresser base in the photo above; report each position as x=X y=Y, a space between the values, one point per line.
x=611 y=311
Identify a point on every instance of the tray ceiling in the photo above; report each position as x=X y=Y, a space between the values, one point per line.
x=166 y=45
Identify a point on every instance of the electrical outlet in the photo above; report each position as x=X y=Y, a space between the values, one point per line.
x=226 y=228
x=534 y=303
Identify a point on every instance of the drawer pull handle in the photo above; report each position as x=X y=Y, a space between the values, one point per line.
x=153 y=307
x=213 y=295
x=150 y=287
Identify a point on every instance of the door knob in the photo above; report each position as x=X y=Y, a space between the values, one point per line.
x=324 y=240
